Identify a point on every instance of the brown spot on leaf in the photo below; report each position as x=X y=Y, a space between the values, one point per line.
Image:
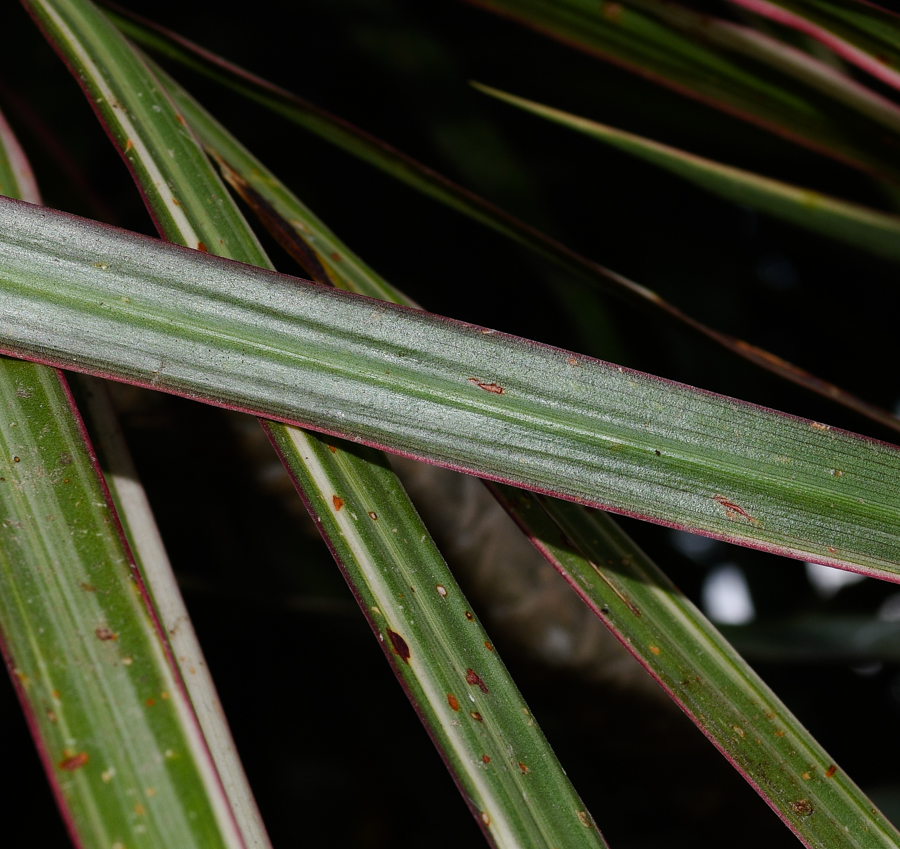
x=488 y=646
x=485 y=759
x=830 y=771
x=474 y=680
x=572 y=361
x=654 y=649
x=337 y=501
x=802 y=807
x=452 y=701
x=398 y=644
x=524 y=768
x=15 y=459
x=476 y=716
x=496 y=388
x=128 y=145
x=373 y=515
x=150 y=702
x=105 y=634
x=332 y=449
x=485 y=818
x=201 y=246
x=779 y=733
x=584 y=819
x=819 y=426
x=734 y=511
x=88 y=588
x=469 y=616
x=73 y=762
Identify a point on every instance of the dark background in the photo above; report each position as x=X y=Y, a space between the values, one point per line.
x=332 y=748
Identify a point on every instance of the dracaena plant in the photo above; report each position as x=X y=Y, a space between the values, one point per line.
x=102 y=651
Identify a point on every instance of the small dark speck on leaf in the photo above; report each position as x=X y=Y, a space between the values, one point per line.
x=802 y=807
x=658 y=453
x=474 y=680
x=469 y=616
x=373 y=515
x=476 y=716
x=398 y=644
x=74 y=762
x=105 y=634
x=15 y=459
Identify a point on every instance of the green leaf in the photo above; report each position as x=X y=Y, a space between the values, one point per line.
x=510 y=778
x=104 y=301
x=648 y=41
x=663 y=610
x=864 y=228
x=859 y=32
x=708 y=679
x=305 y=237
x=448 y=666
x=111 y=720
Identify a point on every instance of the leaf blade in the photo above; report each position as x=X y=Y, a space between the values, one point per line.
x=441 y=390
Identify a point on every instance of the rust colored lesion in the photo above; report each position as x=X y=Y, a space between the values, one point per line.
x=474 y=680
x=105 y=634
x=830 y=771
x=337 y=501
x=496 y=388
x=735 y=511
x=453 y=701
x=399 y=646
x=73 y=762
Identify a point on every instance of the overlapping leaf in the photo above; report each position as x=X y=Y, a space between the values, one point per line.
x=480 y=722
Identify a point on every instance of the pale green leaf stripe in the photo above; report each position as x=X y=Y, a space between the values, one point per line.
x=148 y=549
x=873 y=231
x=97 y=299
x=860 y=32
x=440 y=652
x=746 y=721
x=115 y=732
x=516 y=807
x=721 y=73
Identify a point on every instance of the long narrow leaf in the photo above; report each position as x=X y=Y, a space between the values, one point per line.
x=423 y=179
x=645 y=41
x=103 y=301
x=111 y=721
x=148 y=549
x=779 y=56
x=865 y=228
x=305 y=235
x=860 y=32
x=733 y=707
x=359 y=505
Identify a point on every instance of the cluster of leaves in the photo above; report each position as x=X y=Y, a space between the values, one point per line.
x=98 y=641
